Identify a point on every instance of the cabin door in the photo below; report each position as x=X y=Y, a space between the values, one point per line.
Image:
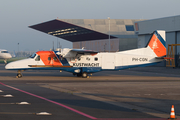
x=108 y=61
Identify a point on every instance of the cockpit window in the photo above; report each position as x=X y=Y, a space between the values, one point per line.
x=4 y=51
x=55 y=58
x=37 y=58
x=33 y=55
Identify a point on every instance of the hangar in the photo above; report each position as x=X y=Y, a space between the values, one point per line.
x=95 y=34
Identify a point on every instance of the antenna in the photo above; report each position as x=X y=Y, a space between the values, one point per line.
x=53 y=46
x=57 y=42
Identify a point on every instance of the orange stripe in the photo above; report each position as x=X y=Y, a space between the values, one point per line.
x=44 y=57
x=156 y=45
x=48 y=66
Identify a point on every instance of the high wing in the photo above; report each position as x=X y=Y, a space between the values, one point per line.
x=67 y=53
x=81 y=51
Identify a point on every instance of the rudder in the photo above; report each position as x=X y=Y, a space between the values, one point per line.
x=157 y=43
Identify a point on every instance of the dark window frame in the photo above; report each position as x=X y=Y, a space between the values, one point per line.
x=37 y=58
x=55 y=58
x=49 y=58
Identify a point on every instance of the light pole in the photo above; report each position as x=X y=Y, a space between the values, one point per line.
x=18 y=49
x=109 y=32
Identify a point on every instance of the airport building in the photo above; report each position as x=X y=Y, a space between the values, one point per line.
x=101 y=35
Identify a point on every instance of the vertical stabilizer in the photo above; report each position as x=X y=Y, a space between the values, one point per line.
x=157 y=43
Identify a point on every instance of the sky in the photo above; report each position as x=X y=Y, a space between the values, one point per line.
x=17 y=15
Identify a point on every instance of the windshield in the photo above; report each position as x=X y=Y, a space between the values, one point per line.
x=33 y=55
x=4 y=51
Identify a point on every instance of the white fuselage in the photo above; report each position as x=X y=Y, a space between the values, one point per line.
x=4 y=54
x=103 y=61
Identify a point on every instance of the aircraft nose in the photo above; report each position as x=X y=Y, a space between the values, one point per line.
x=9 y=56
x=9 y=66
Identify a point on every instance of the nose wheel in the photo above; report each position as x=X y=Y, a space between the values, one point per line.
x=19 y=75
x=5 y=62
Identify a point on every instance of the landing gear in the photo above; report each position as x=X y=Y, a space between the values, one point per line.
x=5 y=61
x=19 y=75
x=84 y=75
x=81 y=72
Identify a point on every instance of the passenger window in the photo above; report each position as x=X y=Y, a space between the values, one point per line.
x=96 y=59
x=79 y=58
x=37 y=58
x=49 y=58
x=88 y=58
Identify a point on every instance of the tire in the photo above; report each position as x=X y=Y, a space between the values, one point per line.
x=84 y=74
x=19 y=75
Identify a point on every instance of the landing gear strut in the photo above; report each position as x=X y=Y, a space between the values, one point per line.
x=5 y=61
x=19 y=75
x=79 y=74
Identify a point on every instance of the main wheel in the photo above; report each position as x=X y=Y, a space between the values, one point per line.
x=84 y=74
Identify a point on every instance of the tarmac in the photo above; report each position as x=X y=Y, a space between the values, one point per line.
x=145 y=92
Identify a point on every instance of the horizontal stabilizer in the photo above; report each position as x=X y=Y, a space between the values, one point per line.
x=166 y=58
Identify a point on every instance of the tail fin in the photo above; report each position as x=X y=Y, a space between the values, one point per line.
x=14 y=54
x=157 y=43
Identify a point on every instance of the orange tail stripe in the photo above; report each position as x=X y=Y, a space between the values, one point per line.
x=156 y=45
